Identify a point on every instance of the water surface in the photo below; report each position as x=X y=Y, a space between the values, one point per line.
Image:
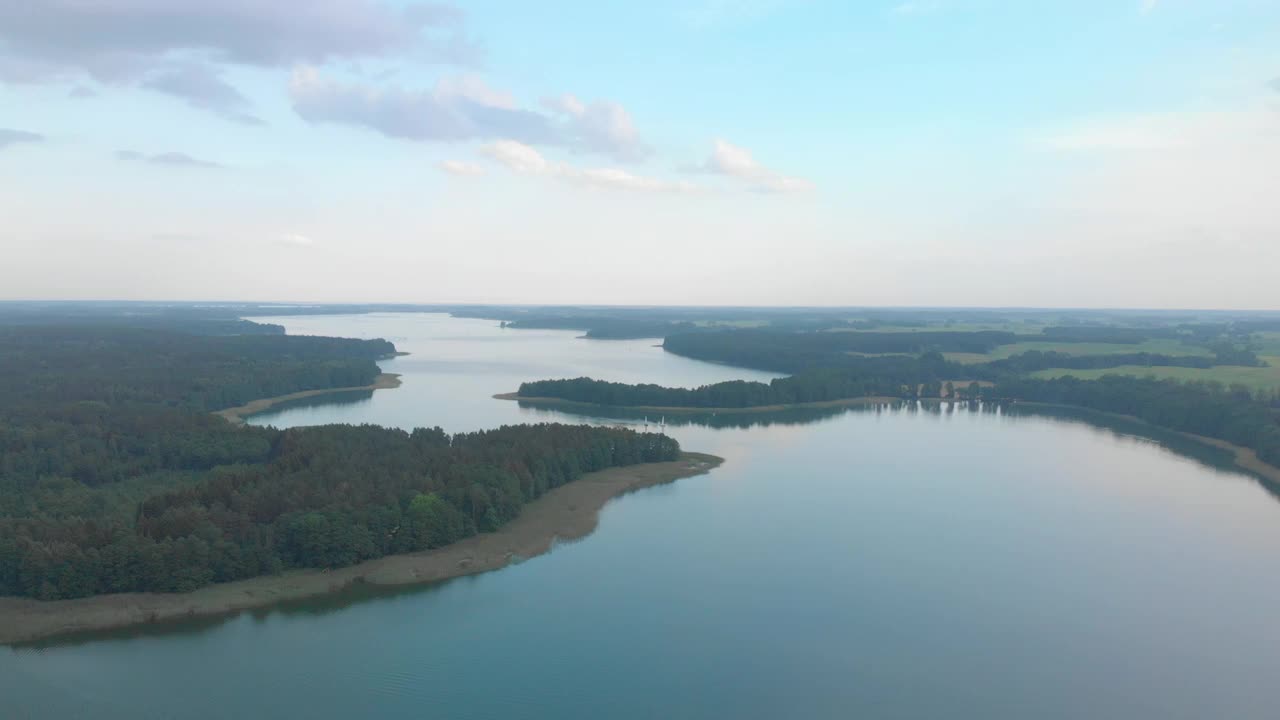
x=908 y=562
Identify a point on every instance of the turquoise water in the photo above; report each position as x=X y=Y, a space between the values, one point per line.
x=913 y=562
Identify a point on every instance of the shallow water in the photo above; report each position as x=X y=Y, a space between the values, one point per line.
x=909 y=562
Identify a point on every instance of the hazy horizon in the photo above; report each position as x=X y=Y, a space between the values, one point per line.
x=295 y=303
x=769 y=153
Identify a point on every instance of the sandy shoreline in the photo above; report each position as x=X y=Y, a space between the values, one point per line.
x=236 y=415
x=567 y=512
x=553 y=402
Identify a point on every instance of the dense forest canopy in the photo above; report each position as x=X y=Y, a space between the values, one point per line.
x=115 y=477
x=77 y=364
x=325 y=497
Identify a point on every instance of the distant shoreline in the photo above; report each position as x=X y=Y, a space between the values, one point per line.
x=677 y=410
x=568 y=512
x=236 y=415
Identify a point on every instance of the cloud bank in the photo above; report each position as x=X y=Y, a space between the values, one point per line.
x=176 y=46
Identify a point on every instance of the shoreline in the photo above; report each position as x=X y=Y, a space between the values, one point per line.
x=679 y=410
x=568 y=512
x=236 y=415
x=1243 y=457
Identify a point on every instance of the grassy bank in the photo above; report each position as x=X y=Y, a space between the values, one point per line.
x=236 y=415
x=565 y=513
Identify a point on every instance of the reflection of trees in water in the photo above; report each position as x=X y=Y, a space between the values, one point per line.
x=1109 y=425
x=738 y=420
x=1123 y=428
x=346 y=397
x=717 y=420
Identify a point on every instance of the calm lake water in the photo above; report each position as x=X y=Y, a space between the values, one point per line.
x=884 y=563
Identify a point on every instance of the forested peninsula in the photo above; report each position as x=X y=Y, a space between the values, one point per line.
x=116 y=477
x=838 y=367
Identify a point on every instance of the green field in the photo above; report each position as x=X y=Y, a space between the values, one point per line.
x=1162 y=347
x=1028 y=327
x=1257 y=378
x=1268 y=343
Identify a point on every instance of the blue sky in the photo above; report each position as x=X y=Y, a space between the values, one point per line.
x=927 y=152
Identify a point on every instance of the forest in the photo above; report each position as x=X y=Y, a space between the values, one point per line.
x=115 y=477
x=1033 y=360
x=895 y=376
x=830 y=365
x=323 y=497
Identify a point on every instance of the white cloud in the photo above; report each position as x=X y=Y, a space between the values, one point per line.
x=295 y=239
x=518 y=157
x=455 y=109
x=474 y=88
x=525 y=160
x=1149 y=5
x=461 y=168
x=737 y=162
x=623 y=180
x=600 y=126
x=565 y=104
x=465 y=108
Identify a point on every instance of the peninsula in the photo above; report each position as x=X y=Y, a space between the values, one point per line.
x=568 y=512
x=236 y=415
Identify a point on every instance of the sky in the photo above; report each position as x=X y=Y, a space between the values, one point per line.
x=1083 y=153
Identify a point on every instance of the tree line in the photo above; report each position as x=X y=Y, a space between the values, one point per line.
x=896 y=376
x=1033 y=360
x=792 y=352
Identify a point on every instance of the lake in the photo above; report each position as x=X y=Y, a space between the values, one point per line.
x=919 y=561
